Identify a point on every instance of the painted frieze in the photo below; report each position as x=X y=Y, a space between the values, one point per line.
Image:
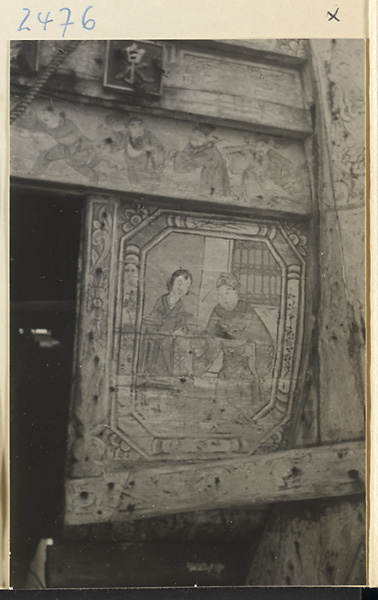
x=127 y=151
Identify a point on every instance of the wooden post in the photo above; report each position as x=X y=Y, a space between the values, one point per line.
x=323 y=543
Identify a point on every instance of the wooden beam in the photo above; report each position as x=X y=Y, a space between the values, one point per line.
x=237 y=112
x=300 y=474
x=63 y=189
x=249 y=50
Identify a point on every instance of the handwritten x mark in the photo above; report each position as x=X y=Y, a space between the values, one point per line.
x=333 y=15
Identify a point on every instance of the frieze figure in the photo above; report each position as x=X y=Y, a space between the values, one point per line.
x=78 y=151
x=258 y=171
x=144 y=154
x=202 y=153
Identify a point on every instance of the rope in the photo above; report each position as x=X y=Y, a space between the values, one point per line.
x=42 y=79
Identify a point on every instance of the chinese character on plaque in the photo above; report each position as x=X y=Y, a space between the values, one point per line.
x=133 y=66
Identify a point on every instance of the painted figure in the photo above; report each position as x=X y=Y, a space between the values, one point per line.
x=257 y=171
x=129 y=306
x=237 y=332
x=166 y=350
x=72 y=146
x=131 y=278
x=202 y=153
x=144 y=154
x=262 y=170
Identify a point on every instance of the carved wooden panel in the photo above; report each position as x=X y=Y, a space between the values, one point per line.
x=252 y=89
x=190 y=341
x=241 y=78
x=88 y=60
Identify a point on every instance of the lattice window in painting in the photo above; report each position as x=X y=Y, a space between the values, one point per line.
x=258 y=272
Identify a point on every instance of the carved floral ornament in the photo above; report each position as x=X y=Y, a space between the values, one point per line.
x=134 y=217
x=297 y=238
x=293 y=47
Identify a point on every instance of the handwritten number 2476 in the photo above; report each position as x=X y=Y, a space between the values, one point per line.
x=86 y=22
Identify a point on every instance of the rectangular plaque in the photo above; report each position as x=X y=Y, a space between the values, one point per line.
x=133 y=66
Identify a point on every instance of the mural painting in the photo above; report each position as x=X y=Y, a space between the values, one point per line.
x=206 y=341
x=130 y=151
x=192 y=316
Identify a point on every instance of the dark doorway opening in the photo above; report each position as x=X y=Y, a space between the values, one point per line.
x=44 y=250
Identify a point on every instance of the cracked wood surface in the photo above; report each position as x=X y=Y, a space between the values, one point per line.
x=301 y=474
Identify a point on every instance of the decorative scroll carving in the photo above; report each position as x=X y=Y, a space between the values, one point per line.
x=118 y=452
x=89 y=407
x=291 y=319
x=274 y=443
x=88 y=452
x=136 y=217
x=259 y=229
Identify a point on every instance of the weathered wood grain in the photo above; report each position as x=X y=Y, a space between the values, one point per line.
x=324 y=544
x=299 y=474
x=342 y=400
x=341 y=189
x=238 y=108
x=196 y=70
x=317 y=543
x=230 y=109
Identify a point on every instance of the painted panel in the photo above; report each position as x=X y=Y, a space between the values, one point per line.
x=189 y=345
x=180 y=159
